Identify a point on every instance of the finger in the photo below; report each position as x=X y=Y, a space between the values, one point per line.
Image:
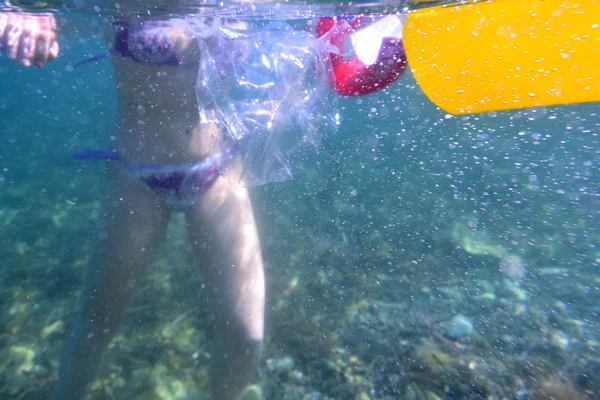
x=26 y=48
x=27 y=42
x=3 y=25
x=51 y=54
x=50 y=49
x=13 y=36
x=46 y=49
x=42 y=53
x=54 y=49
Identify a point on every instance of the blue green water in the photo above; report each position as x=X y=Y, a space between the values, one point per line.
x=416 y=256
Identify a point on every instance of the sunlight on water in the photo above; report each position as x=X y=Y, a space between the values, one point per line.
x=272 y=10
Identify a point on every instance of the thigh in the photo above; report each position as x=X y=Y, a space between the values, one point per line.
x=225 y=240
x=132 y=223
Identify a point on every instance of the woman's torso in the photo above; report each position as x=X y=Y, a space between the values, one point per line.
x=156 y=66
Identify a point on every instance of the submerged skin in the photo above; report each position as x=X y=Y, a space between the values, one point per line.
x=29 y=39
x=157 y=122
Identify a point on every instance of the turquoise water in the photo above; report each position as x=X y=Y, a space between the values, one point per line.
x=417 y=255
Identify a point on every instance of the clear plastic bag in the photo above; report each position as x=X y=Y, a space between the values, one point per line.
x=268 y=87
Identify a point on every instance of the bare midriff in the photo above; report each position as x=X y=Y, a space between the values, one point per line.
x=158 y=118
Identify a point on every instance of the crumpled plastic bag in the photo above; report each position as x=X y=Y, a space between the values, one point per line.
x=267 y=86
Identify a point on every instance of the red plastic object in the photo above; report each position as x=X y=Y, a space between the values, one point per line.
x=352 y=76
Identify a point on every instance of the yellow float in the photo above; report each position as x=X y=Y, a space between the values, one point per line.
x=506 y=54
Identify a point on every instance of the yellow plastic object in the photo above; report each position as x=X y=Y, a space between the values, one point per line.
x=506 y=54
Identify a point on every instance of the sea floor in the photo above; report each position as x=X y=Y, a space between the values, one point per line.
x=369 y=297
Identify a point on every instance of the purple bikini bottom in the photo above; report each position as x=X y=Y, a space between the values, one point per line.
x=179 y=186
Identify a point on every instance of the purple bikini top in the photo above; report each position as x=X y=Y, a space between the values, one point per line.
x=147 y=42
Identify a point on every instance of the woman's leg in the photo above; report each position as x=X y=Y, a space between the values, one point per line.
x=225 y=241
x=134 y=220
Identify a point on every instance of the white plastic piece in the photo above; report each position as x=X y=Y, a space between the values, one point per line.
x=368 y=40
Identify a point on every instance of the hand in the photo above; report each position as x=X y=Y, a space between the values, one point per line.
x=29 y=38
